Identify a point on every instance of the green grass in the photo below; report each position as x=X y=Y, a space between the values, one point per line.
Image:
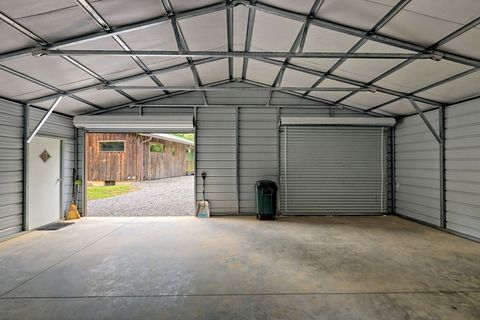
x=102 y=192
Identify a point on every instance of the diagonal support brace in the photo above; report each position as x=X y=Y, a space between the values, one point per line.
x=44 y=119
x=427 y=123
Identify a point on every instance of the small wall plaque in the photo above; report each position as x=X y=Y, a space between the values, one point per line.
x=45 y=156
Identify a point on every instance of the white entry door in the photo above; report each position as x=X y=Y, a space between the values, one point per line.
x=44 y=181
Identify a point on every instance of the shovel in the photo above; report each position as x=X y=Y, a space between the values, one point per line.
x=203 y=207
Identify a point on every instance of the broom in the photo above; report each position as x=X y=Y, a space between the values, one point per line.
x=72 y=212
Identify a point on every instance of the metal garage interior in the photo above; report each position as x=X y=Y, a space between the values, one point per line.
x=359 y=110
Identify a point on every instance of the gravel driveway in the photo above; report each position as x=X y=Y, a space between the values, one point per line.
x=165 y=197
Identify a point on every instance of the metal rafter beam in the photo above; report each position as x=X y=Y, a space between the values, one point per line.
x=42 y=42
x=237 y=54
x=163 y=96
x=439 y=43
x=48 y=86
x=385 y=19
x=349 y=81
x=430 y=86
x=26 y=32
x=90 y=10
x=279 y=78
x=313 y=11
x=248 y=39
x=229 y=14
x=472 y=24
x=206 y=88
x=425 y=120
x=128 y=78
x=364 y=34
x=252 y=5
x=180 y=39
x=330 y=104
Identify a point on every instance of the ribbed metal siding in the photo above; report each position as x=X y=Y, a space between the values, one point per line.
x=58 y=126
x=463 y=168
x=417 y=169
x=216 y=155
x=11 y=167
x=258 y=152
x=333 y=170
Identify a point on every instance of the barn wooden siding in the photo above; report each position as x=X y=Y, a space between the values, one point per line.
x=166 y=164
x=136 y=162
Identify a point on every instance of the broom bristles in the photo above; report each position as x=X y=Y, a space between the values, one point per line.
x=72 y=212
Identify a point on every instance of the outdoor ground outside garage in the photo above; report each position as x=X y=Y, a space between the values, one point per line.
x=238 y=268
x=163 y=197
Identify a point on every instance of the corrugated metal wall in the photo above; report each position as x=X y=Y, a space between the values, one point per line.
x=417 y=161
x=216 y=155
x=58 y=126
x=333 y=170
x=11 y=168
x=258 y=152
x=462 y=124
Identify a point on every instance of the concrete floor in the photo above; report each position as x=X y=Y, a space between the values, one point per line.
x=240 y=268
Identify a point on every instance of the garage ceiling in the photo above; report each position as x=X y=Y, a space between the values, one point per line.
x=434 y=47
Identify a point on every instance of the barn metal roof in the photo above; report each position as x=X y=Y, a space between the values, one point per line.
x=370 y=56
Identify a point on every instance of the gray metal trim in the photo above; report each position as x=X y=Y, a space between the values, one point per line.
x=248 y=39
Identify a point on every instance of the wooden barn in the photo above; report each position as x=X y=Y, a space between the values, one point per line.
x=113 y=157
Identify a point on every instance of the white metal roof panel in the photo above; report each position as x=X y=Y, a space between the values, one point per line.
x=368 y=69
x=121 y=12
x=368 y=99
x=435 y=19
x=293 y=78
x=421 y=73
x=403 y=107
x=362 y=14
x=68 y=106
x=467 y=44
x=461 y=88
x=53 y=70
x=300 y=6
x=261 y=71
x=331 y=95
x=273 y=33
x=214 y=71
x=19 y=89
x=205 y=32
x=181 y=77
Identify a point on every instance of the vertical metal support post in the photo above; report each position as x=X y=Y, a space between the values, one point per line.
x=441 y=128
x=392 y=170
x=195 y=154
x=278 y=110
x=26 y=117
x=237 y=160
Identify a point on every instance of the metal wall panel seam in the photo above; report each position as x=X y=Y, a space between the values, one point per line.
x=441 y=129
x=26 y=122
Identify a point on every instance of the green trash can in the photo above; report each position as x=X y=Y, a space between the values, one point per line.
x=266 y=199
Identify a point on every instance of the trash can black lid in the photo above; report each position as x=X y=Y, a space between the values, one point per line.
x=266 y=184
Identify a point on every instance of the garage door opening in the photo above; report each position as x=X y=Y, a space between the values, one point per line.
x=139 y=174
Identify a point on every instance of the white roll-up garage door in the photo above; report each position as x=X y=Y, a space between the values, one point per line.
x=333 y=170
x=128 y=123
